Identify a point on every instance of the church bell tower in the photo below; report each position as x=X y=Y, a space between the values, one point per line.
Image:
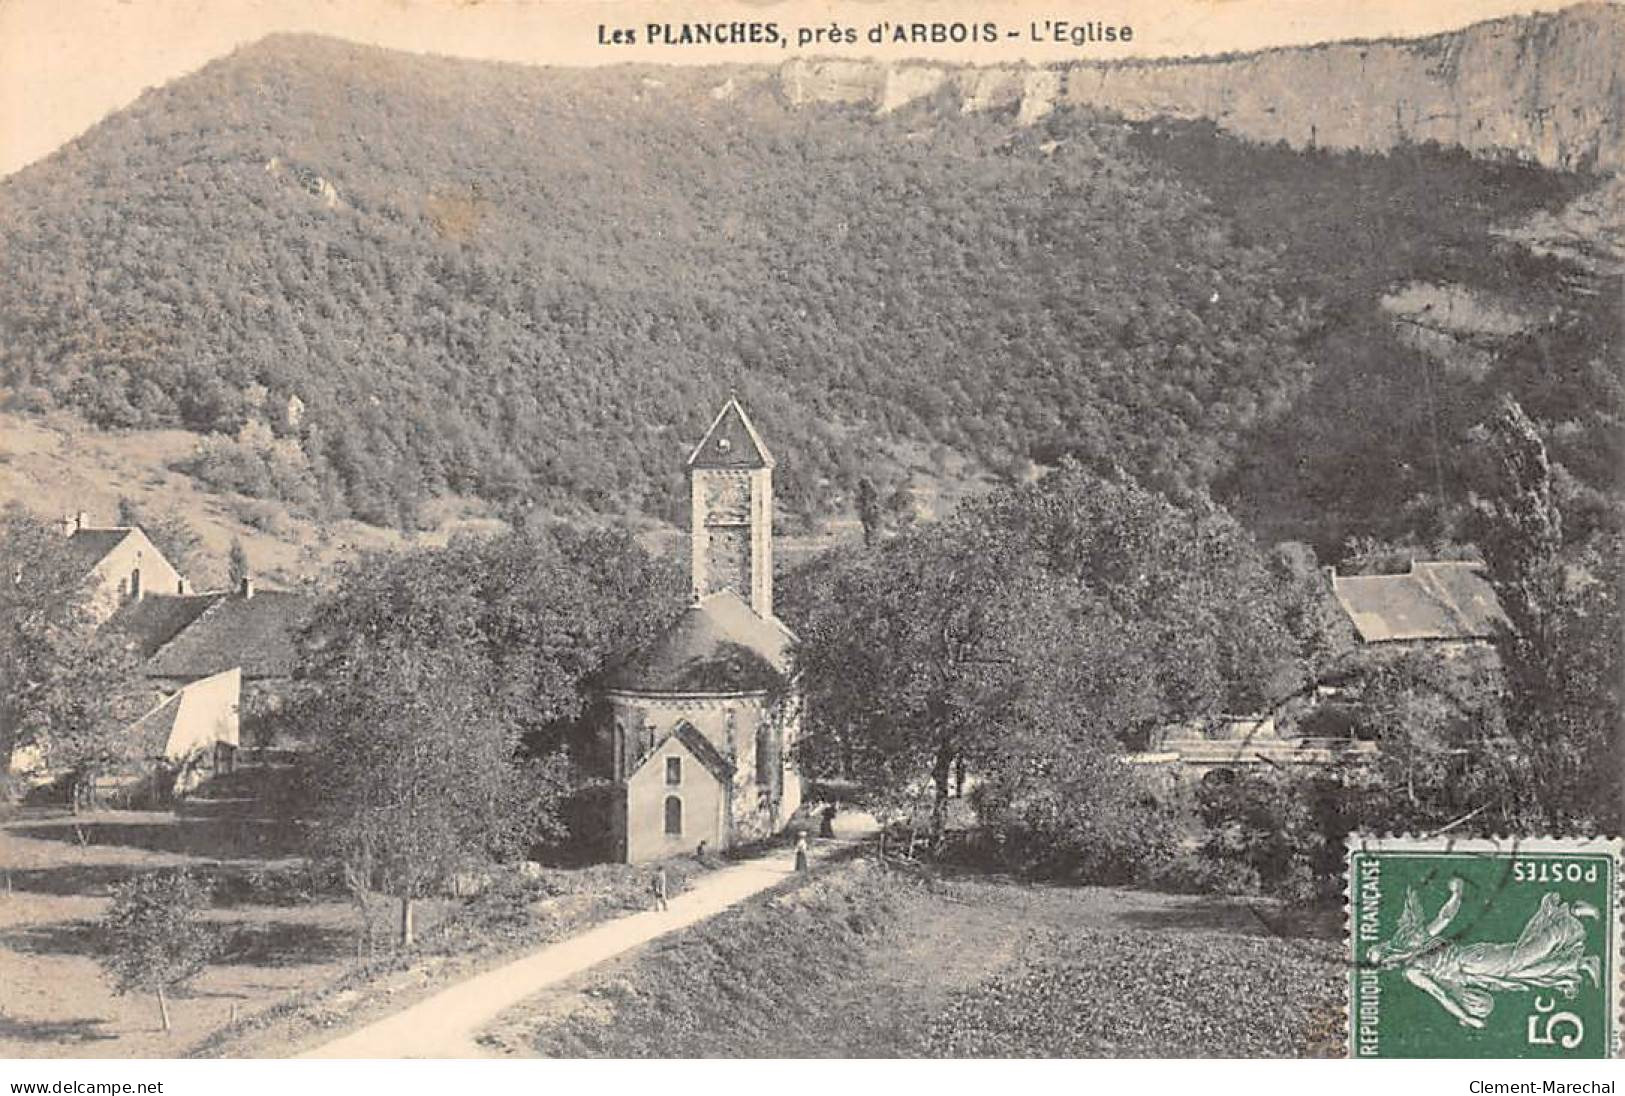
x=730 y=477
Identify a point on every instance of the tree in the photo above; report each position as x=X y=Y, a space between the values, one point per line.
x=1440 y=728
x=151 y=940
x=868 y=509
x=922 y=656
x=444 y=687
x=1560 y=654
x=1028 y=636
x=84 y=711
x=420 y=778
x=1213 y=618
x=237 y=570
x=901 y=504
x=64 y=687
x=43 y=595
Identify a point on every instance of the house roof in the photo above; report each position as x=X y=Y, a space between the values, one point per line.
x=718 y=645
x=92 y=546
x=698 y=745
x=151 y=733
x=170 y=729
x=1435 y=600
x=732 y=442
x=158 y=618
x=255 y=633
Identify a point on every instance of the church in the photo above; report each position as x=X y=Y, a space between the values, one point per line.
x=703 y=721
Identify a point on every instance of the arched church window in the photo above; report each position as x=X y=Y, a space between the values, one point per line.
x=674 y=816
x=135 y=584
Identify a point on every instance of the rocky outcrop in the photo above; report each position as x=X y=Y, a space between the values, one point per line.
x=1546 y=88
x=306 y=179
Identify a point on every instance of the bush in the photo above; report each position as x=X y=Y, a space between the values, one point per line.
x=1282 y=833
x=257 y=466
x=1117 y=831
x=1191 y=873
x=503 y=909
x=272 y=885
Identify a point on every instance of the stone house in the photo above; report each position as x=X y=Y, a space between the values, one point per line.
x=1445 y=608
x=121 y=565
x=248 y=631
x=193 y=731
x=702 y=725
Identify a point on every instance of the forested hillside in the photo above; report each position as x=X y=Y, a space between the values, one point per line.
x=370 y=278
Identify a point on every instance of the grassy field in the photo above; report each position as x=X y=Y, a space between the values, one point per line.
x=57 y=871
x=290 y=969
x=855 y=963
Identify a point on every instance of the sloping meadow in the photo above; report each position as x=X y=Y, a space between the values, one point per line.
x=865 y=963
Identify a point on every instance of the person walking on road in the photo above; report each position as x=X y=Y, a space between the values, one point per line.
x=801 y=851
x=826 y=823
x=658 y=887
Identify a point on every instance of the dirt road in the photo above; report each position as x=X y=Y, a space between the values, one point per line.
x=445 y=1025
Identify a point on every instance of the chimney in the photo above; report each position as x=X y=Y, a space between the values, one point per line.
x=247 y=587
x=79 y=520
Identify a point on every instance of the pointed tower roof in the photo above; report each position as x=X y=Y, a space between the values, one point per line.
x=732 y=442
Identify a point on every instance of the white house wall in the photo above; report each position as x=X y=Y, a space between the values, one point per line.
x=208 y=715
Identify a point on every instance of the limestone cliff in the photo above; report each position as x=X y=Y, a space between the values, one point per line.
x=1547 y=88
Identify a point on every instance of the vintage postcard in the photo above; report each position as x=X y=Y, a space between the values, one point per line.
x=846 y=529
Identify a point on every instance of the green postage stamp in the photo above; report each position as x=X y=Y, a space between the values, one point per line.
x=1504 y=948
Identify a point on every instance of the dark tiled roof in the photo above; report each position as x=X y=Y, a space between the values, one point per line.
x=150 y=734
x=1437 y=600
x=154 y=734
x=698 y=745
x=92 y=545
x=1468 y=593
x=717 y=646
x=732 y=442
x=158 y=618
x=255 y=633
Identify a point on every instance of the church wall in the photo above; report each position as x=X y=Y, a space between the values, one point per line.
x=704 y=807
x=732 y=724
x=790 y=799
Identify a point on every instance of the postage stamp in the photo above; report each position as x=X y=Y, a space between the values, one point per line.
x=1501 y=948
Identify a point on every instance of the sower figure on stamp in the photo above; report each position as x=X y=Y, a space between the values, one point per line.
x=1548 y=954
x=657 y=887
